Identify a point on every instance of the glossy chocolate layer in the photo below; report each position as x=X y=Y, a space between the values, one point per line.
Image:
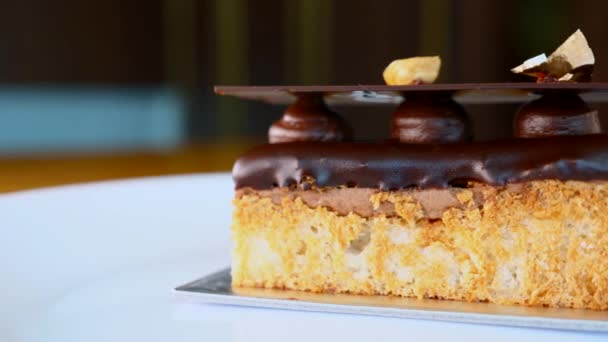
x=427 y=119
x=309 y=119
x=392 y=166
x=556 y=114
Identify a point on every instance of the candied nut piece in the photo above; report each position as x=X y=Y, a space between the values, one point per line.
x=412 y=70
x=572 y=61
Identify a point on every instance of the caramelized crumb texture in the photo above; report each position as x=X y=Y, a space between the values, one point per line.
x=543 y=245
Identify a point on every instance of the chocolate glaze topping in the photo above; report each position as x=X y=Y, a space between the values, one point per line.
x=556 y=114
x=309 y=119
x=430 y=119
x=391 y=165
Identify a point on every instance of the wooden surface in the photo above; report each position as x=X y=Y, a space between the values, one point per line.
x=22 y=173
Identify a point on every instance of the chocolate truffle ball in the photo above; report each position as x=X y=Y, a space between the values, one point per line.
x=433 y=119
x=556 y=114
x=309 y=119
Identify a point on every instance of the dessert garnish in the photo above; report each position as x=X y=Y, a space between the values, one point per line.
x=572 y=61
x=412 y=70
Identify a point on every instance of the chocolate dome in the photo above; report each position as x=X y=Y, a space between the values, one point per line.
x=309 y=119
x=556 y=114
x=430 y=120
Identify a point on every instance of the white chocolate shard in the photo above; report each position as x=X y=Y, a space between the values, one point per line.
x=532 y=65
x=574 y=52
x=571 y=61
x=412 y=70
x=567 y=77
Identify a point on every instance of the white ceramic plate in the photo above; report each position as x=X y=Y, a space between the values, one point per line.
x=98 y=262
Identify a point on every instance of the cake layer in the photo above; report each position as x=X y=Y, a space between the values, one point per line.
x=390 y=165
x=434 y=202
x=541 y=243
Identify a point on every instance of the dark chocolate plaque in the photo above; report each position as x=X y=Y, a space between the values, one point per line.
x=466 y=93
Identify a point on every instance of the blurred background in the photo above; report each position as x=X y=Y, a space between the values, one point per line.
x=105 y=89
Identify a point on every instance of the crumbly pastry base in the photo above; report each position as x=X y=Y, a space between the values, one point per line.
x=540 y=243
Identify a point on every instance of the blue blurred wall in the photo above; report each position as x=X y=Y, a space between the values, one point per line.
x=38 y=120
